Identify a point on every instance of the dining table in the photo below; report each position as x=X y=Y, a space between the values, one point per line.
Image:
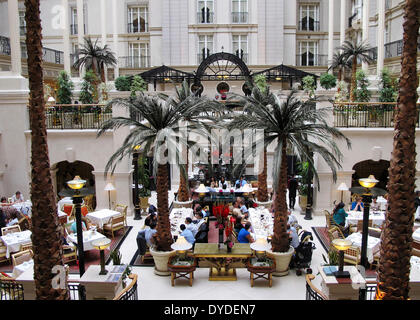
x=101 y=217
x=373 y=244
x=89 y=237
x=14 y=240
x=177 y=217
x=377 y=217
x=66 y=200
x=24 y=207
x=262 y=222
x=21 y=268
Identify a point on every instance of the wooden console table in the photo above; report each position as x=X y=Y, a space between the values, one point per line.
x=222 y=263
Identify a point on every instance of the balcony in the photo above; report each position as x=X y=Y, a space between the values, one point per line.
x=22 y=31
x=205 y=17
x=305 y=60
x=392 y=49
x=239 y=17
x=73 y=29
x=366 y=114
x=134 y=62
x=137 y=28
x=311 y=25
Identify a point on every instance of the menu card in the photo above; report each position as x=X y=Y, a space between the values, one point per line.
x=329 y=270
x=116 y=273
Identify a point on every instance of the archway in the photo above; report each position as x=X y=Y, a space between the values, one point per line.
x=365 y=168
x=66 y=171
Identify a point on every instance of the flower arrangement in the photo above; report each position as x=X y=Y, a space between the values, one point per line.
x=228 y=232
x=221 y=212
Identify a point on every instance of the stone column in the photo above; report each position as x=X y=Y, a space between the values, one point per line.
x=66 y=36
x=103 y=30
x=15 y=53
x=80 y=30
x=365 y=29
x=380 y=37
x=115 y=37
x=330 y=32
x=342 y=21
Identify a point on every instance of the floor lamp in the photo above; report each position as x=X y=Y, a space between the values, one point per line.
x=109 y=187
x=342 y=187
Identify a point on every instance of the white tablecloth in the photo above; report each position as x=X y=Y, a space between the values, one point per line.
x=261 y=221
x=102 y=217
x=382 y=202
x=66 y=200
x=355 y=216
x=416 y=235
x=14 y=240
x=88 y=238
x=24 y=207
x=177 y=217
x=21 y=268
x=372 y=245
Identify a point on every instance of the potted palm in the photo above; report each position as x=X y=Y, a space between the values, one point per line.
x=294 y=123
x=162 y=119
x=303 y=169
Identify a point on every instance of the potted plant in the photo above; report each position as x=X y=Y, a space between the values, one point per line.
x=328 y=81
x=303 y=170
x=116 y=257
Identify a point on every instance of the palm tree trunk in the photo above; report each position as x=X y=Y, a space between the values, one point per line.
x=183 y=191
x=163 y=235
x=262 y=194
x=280 y=241
x=396 y=238
x=340 y=73
x=47 y=246
x=353 y=79
x=102 y=71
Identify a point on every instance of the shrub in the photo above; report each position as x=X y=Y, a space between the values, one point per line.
x=122 y=83
x=260 y=81
x=328 y=81
x=362 y=93
x=309 y=85
x=88 y=91
x=138 y=84
x=65 y=88
x=388 y=91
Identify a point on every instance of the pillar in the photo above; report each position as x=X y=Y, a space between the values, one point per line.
x=342 y=22
x=380 y=37
x=365 y=29
x=80 y=29
x=103 y=30
x=15 y=53
x=115 y=37
x=330 y=32
x=66 y=37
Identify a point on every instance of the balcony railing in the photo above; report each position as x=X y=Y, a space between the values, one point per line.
x=22 y=30
x=4 y=46
x=137 y=28
x=365 y=114
x=239 y=17
x=134 y=62
x=305 y=60
x=203 y=17
x=392 y=49
x=77 y=116
x=305 y=25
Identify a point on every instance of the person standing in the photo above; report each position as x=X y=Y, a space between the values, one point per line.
x=293 y=185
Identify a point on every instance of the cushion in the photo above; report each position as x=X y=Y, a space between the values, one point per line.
x=335 y=235
x=67 y=209
x=84 y=211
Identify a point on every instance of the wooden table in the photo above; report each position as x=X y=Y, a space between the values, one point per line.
x=222 y=263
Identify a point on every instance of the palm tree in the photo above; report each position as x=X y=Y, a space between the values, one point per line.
x=163 y=119
x=45 y=235
x=341 y=62
x=352 y=52
x=297 y=124
x=95 y=58
x=396 y=238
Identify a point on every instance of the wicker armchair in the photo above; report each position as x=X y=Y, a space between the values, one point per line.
x=69 y=253
x=24 y=223
x=328 y=219
x=11 y=229
x=360 y=225
x=26 y=246
x=117 y=223
x=21 y=257
x=352 y=255
x=335 y=233
x=3 y=250
x=123 y=210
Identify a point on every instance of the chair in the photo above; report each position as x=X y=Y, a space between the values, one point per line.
x=84 y=210
x=117 y=223
x=11 y=229
x=69 y=253
x=123 y=210
x=374 y=232
x=360 y=225
x=352 y=255
x=26 y=246
x=328 y=219
x=3 y=250
x=89 y=202
x=68 y=209
x=24 y=223
x=21 y=257
x=335 y=233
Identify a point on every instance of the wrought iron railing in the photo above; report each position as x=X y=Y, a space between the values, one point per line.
x=4 y=46
x=239 y=17
x=201 y=57
x=205 y=17
x=137 y=27
x=370 y=290
x=134 y=62
x=392 y=49
x=11 y=290
x=22 y=30
x=130 y=292
x=77 y=116
x=365 y=114
x=304 y=60
x=305 y=25
x=76 y=291
x=312 y=293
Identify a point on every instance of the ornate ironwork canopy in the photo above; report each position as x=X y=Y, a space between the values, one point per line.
x=284 y=73
x=166 y=74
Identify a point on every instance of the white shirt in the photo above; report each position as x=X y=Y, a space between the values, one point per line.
x=192 y=227
x=14 y=199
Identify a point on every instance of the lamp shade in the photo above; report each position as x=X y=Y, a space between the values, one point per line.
x=369 y=182
x=181 y=244
x=201 y=189
x=246 y=188
x=51 y=99
x=343 y=187
x=109 y=187
x=101 y=244
x=76 y=183
x=342 y=244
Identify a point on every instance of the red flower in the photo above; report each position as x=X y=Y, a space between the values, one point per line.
x=221 y=226
x=255 y=205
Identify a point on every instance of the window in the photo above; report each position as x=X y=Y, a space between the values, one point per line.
x=387 y=35
x=137 y=19
x=239 y=11
x=205 y=47
x=309 y=18
x=138 y=55
x=75 y=52
x=22 y=23
x=240 y=46
x=357 y=6
x=205 y=11
x=308 y=53
x=73 y=24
